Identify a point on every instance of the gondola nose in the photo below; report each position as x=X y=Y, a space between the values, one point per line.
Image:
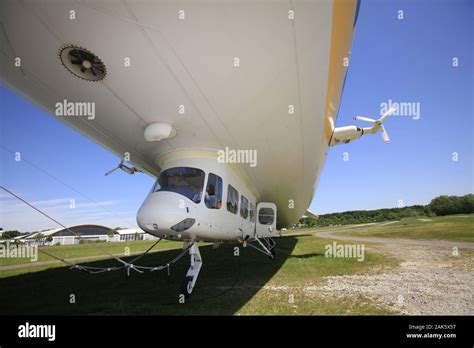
x=164 y=213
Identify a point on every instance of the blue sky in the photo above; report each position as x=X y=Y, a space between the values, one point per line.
x=407 y=60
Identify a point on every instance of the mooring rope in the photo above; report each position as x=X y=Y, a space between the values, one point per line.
x=93 y=270
x=124 y=264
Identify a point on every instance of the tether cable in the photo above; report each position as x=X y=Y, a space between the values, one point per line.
x=124 y=264
x=92 y=269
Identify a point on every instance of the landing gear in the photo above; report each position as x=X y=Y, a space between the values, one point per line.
x=266 y=247
x=187 y=286
x=191 y=277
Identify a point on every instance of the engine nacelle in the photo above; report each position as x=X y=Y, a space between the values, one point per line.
x=344 y=135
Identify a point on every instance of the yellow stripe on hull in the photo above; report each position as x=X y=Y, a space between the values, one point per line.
x=344 y=12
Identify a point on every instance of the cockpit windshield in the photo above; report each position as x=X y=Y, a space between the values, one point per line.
x=186 y=181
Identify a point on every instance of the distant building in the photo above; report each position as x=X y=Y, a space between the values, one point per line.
x=133 y=234
x=83 y=234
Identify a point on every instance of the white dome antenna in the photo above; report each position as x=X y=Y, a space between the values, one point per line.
x=159 y=131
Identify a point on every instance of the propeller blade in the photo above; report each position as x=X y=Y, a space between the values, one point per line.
x=384 y=134
x=388 y=113
x=98 y=67
x=76 y=61
x=364 y=119
x=83 y=69
x=93 y=72
x=111 y=171
x=75 y=54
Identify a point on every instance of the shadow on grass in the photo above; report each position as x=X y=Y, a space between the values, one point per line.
x=225 y=284
x=306 y=256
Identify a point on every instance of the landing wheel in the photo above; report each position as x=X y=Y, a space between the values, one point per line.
x=187 y=287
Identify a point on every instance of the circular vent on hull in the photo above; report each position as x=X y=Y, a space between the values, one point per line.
x=82 y=63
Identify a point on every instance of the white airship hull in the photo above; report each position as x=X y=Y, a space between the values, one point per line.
x=242 y=75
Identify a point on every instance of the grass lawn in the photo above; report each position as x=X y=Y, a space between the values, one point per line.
x=456 y=228
x=248 y=284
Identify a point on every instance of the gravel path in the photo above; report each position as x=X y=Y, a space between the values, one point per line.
x=434 y=243
x=431 y=280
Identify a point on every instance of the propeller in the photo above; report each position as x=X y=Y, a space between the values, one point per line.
x=121 y=165
x=114 y=169
x=87 y=61
x=377 y=124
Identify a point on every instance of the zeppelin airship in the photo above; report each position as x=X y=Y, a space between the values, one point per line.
x=231 y=105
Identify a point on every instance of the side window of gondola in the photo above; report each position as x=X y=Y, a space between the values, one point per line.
x=213 y=197
x=252 y=212
x=232 y=199
x=244 y=207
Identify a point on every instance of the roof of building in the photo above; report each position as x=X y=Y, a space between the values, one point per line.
x=83 y=230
